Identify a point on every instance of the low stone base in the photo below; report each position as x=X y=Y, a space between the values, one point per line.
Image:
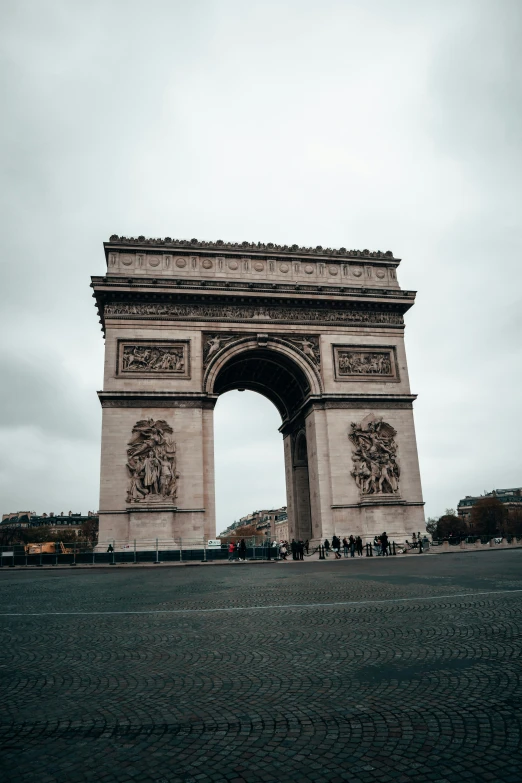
x=398 y=518
x=146 y=523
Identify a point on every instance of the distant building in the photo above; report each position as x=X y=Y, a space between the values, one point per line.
x=265 y=521
x=511 y=498
x=56 y=522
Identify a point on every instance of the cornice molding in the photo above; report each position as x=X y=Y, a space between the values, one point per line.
x=101 y=283
x=148 y=399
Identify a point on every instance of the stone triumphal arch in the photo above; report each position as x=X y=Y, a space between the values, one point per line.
x=319 y=332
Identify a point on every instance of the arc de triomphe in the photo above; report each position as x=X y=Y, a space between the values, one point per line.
x=319 y=332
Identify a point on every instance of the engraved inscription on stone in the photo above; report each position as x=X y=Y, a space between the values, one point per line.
x=155 y=358
x=375 y=468
x=356 y=363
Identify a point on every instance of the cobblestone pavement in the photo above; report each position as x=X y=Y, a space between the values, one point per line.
x=358 y=670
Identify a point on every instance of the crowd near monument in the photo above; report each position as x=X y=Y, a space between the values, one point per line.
x=319 y=332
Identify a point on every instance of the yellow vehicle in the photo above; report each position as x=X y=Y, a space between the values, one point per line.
x=47 y=548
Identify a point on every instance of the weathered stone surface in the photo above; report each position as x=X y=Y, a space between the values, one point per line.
x=320 y=333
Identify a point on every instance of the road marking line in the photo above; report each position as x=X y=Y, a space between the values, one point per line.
x=257 y=608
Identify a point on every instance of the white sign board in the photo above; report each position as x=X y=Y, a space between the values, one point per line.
x=214 y=542
x=7 y=554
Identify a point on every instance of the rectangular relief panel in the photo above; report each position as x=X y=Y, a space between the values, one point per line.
x=153 y=358
x=366 y=363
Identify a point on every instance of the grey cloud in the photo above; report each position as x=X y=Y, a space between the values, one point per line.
x=386 y=123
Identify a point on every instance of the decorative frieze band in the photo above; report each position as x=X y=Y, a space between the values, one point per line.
x=212 y=312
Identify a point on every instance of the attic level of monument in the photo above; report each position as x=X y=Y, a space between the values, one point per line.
x=219 y=246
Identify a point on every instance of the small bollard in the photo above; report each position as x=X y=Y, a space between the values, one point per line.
x=367 y=550
x=371 y=549
x=321 y=552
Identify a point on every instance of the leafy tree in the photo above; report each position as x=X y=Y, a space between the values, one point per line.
x=489 y=517
x=246 y=532
x=514 y=522
x=431 y=525
x=90 y=530
x=450 y=525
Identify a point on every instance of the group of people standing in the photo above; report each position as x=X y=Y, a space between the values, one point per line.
x=297 y=548
x=352 y=544
x=237 y=550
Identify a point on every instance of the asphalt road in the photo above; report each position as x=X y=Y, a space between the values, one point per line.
x=397 y=669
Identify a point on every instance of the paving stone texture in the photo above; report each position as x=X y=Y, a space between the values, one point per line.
x=410 y=673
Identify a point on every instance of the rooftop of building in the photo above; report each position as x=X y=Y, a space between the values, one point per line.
x=513 y=493
x=268 y=247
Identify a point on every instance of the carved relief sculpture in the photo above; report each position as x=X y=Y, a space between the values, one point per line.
x=214 y=342
x=309 y=346
x=203 y=312
x=151 y=462
x=373 y=363
x=153 y=358
x=359 y=363
x=375 y=469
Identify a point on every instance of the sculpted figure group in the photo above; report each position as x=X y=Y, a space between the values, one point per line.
x=359 y=363
x=375 y=470
x=151 y=462
x=152 y=359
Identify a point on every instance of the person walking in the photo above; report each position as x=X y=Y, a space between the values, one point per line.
x=352 y=546
x=306 y=545
x=336 y=545
x=242 y=549
x=377 y=545
x=384 y=544
x=359 y=545
x=231 y=551
x=345 y=547
x=326 y=547
x=283 y=551
x=300 y=550
x=293 y=549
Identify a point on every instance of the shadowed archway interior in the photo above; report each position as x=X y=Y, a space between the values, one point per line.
x=268 y=373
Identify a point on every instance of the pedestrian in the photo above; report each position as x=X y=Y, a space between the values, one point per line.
x=359 y=545
x=242 y=549
x=352 y=546
x=268 y=550
x=345 y=547
x=326 y=547
x=231 y=551
x=293 y=548
x=110 y=548
x=283 y=551
x=377 y=545
x=300 y=550
x=307 y=545
x=384 y=544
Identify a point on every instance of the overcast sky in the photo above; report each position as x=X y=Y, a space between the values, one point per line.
x=388 y=124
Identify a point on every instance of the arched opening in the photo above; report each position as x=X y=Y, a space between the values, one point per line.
x=284 y=380
x=248 y=455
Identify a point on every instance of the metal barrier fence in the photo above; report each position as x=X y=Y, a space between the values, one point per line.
x=118 y=552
